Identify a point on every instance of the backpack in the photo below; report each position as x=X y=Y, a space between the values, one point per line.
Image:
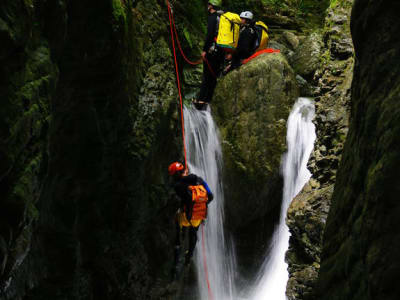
x=199 y=202
x=228 y=31
x=262 y=36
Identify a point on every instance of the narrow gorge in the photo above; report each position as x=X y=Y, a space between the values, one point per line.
x=90 y=120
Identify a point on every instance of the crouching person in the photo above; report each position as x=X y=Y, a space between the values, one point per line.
x=246 y=44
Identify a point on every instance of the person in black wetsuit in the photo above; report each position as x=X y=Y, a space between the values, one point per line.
x=213 y=56
x=184 y=220
x=246 y=42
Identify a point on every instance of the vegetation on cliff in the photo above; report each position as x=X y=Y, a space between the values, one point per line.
x=89 y=122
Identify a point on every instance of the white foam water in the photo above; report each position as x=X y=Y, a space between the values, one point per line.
x=273 y=276
x=215 y=259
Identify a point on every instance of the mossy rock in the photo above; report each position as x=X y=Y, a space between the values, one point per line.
x=306 y=58
x=251 y=106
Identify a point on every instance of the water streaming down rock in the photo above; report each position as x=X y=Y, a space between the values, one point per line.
x=273 y=277
x=205 y=160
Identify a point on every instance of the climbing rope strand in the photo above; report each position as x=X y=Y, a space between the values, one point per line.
x=180 y=47
x=210 y=295
x=179 y=44
x=179 y=84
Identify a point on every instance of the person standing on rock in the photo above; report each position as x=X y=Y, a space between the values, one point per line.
x=246 y=43
x=212 y=55
x=195 y=195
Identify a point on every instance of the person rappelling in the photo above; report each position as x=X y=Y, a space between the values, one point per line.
x=213 y=56
x=195 y=195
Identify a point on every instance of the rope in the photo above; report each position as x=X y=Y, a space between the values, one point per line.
x=179 y=44
x=210 y=295
x=180 y=47
x=173 y=29
x=179 y=84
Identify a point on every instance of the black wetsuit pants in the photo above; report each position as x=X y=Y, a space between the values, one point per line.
x=180 y=236
x=209 y=80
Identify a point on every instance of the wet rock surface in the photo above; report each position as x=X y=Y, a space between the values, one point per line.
x=251 y=106
x=330 y=86
x=88 y=124
x=86 y=135
x=361 y=243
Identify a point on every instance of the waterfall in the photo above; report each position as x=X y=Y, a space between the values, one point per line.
x=273 y=277
x=205 y=160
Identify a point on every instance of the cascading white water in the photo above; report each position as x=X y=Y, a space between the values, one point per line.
x=205 y=160
x=273 y=277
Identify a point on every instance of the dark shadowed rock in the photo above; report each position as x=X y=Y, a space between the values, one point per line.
x=333 y=80
x=361 y=248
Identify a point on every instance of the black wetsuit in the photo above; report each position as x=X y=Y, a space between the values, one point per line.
x=215 y=57
x=182 y=190
x=246 y=43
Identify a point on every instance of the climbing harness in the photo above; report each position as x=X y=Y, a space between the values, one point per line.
x=173 y=29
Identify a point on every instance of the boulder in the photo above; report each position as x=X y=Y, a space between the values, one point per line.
x=306 y=220
x=306 y=58
x=291 y=39
x=251 y=106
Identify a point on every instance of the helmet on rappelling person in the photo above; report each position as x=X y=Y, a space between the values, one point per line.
x=215 y=3
x=248 y=15
x=175 y=168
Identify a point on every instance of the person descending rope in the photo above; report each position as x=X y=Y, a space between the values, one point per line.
x=213 y=57
x=246 y=44
x=195 y=195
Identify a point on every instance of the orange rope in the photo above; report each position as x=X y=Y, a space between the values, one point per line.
x=179 y=44
x=180 y=47
x=210 y=295
x=179 y=83
x=172 y=24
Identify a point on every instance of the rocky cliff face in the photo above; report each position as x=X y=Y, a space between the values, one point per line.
x=329 y=82
x=89 y=122
x=86 y=132
x=361 y=243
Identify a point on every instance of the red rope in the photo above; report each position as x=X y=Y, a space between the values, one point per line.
x=179 y=44
x=179 y=83
x=209 y=67
x=172 y=25
x=268 y=50
x=210 y=295
x=180 y=47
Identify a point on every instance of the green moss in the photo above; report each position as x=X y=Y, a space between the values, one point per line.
x=187 y=36
x=119 y=14
x=118 y=10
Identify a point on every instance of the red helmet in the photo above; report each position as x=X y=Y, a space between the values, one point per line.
x=175 y=167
